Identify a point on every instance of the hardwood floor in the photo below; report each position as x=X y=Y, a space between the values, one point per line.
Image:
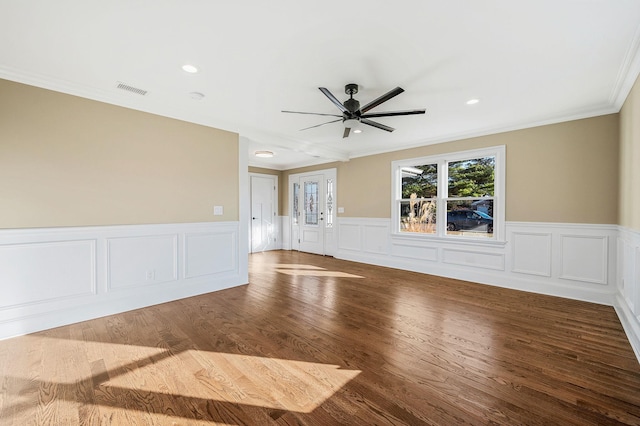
x=318 y=341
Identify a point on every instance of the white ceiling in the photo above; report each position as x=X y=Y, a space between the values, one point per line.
x=529 y=63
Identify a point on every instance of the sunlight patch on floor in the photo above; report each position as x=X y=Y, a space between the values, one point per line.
x=296 y=266
x=242 y=379
x=113 y=357
x=315 y=273
x=150 y=377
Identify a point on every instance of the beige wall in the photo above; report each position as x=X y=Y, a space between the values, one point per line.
x=282 y=185
x=630 y=160
x=284 y=182
x=69 y=161
x=565 y=172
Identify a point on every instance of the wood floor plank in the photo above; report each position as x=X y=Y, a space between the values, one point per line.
x=317 y=341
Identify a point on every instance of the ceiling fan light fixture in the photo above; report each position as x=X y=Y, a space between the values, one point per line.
x=263 y=154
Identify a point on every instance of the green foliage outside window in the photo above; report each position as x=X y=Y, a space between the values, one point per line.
x=472 y=178
x=423 y=185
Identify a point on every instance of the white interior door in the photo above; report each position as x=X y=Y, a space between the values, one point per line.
x=263 y=213
x=312 y=218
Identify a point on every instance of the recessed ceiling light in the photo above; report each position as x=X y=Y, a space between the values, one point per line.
x=190 y=69
x=473 y=101
x=263 y=154
x=357 y=131
x=197 y=96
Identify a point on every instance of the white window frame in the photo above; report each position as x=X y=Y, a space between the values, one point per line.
x=442 y=161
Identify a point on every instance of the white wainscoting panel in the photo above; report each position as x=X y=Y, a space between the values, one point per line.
x=414 y=250
x=375 y=239
x=350 y=236
x=584 y=258
x=137 y=261
x=626 y=269
x=531 y=253
x=548 y=258
x=329 y=242
x=285 y=235
x=628 y=300
x=476 y=258
x=210 y=253
x=27 y=270
x=55 y=276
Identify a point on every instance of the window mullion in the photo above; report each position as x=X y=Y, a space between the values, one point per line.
x=443 y=176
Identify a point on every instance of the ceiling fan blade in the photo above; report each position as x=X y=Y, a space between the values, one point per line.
x=374 y=103
x=322 y=124
x=311 y=113
x=347 y=130
x=333 y=99
x=376 y=124
x=393 y=113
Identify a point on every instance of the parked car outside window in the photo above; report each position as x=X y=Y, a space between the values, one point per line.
x=469 y=220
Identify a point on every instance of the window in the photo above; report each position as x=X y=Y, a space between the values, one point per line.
x=458 y=195
x=311 y=203
x=329 y=203
x=296 y=208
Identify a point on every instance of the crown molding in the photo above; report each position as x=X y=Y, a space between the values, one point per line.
x=628 y=73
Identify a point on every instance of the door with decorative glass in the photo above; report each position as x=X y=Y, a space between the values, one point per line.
x=312 y=214
x=312 y=201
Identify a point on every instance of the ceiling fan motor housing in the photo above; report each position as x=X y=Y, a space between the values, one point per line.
x=352 y=105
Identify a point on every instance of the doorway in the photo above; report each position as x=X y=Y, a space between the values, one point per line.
x=264 y=199
x=312 y=200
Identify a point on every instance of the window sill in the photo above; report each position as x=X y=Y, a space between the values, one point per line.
x=448 y=240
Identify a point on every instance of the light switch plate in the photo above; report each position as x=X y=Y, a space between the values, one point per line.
x=218 y=210
x=340 y=209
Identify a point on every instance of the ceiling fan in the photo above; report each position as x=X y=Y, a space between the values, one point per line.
x=352 y=114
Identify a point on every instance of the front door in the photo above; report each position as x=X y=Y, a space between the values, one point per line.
x=312 y=218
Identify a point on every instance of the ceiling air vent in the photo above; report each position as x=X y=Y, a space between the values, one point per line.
x=132 y=89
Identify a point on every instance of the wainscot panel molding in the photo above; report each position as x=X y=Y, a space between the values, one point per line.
x=285 y=235
x=56 y=276
x=576 y=261
x=628 y=285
